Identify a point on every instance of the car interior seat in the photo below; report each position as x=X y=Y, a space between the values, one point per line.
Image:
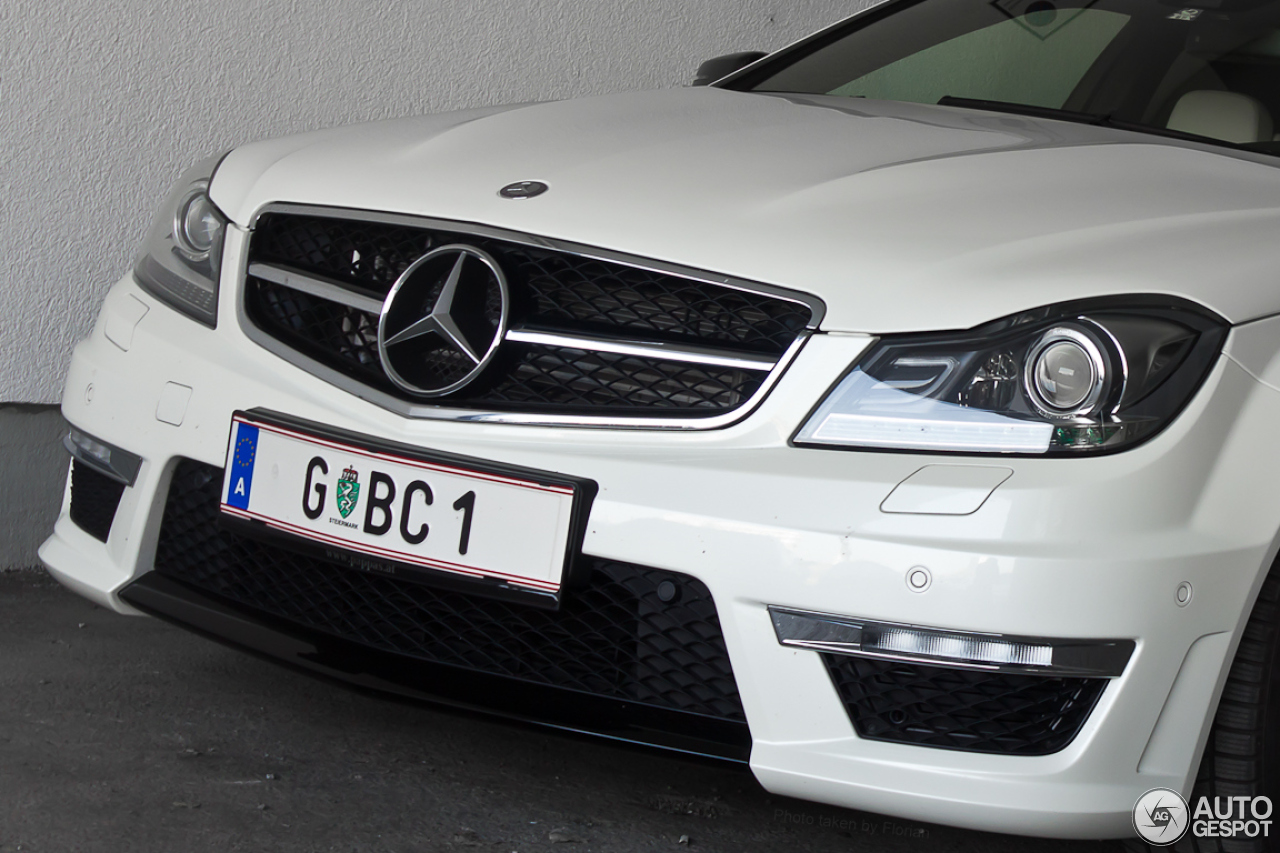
x=1229 y=116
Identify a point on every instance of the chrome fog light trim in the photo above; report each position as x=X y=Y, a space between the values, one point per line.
x=107 y=459
x=967 y=650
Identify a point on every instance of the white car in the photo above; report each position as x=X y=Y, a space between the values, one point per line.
x=898 y=414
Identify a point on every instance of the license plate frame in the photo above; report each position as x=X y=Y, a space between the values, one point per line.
x=485 y=568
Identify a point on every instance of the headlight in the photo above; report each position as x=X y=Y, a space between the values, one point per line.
x=1067 y=379
x=180 y=258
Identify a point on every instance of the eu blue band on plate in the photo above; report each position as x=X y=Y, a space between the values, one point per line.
x=240 y=477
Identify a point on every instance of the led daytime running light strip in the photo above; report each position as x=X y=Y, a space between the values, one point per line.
x=957 y=647
x=848 y=636
x=936 y=433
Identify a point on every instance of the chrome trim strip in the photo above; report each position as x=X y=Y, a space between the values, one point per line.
x=843 y=635
x=645 y=349
x=411 y=409
x=122 y=466
x=816 y=306
x=316 y=286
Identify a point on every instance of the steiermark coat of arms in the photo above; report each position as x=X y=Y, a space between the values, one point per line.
x=348 y=491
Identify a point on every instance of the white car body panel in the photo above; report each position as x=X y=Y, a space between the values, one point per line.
x=901 y=217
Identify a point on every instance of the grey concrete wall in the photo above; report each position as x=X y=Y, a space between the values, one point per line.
x=103 y=104
x=33 y=467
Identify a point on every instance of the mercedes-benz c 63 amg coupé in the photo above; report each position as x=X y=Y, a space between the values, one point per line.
x=897 y=414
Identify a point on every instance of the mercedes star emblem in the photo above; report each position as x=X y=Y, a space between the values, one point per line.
x=523 y=189
x=442 y=320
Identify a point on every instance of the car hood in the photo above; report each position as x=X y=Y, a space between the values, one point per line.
x=900 y=217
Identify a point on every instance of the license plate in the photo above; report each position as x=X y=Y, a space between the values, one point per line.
x=401 y=506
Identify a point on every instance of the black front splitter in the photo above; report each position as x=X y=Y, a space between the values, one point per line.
x=406 y=677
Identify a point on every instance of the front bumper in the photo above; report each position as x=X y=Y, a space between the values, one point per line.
x=1081 y=548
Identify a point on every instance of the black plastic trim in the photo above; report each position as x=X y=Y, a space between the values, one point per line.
x=383 y=672
x=719 y=67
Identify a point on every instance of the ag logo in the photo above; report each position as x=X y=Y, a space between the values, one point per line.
x=1161 y=817
x=348 y=493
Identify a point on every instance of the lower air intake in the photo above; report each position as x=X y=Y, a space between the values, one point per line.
x=969 y=710
x=614 y=637
x=94 y=500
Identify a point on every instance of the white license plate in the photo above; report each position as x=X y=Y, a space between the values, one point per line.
x=435 y=515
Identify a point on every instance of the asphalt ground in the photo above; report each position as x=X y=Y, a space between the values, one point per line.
x=126 y=734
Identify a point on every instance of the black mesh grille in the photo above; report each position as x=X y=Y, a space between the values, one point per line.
x=94 y=500
x=554 y=377
x=335 y=334
x=365 y=254
x=550 y=291
x=564 y=288
x=614 y=637
x=974 y=711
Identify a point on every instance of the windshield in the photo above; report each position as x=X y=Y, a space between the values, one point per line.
x=1139 y=64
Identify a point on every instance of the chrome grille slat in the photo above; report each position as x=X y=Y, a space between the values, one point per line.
x=316 y=286
x=645 y=349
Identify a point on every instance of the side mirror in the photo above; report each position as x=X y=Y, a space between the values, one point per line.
x=722 y=66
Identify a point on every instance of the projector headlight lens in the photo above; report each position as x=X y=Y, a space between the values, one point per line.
x=1066 y=373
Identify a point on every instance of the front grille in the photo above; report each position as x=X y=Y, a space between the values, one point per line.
x=969 y=710
x=594 y=301
x=613 y=637
x=94 y=500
